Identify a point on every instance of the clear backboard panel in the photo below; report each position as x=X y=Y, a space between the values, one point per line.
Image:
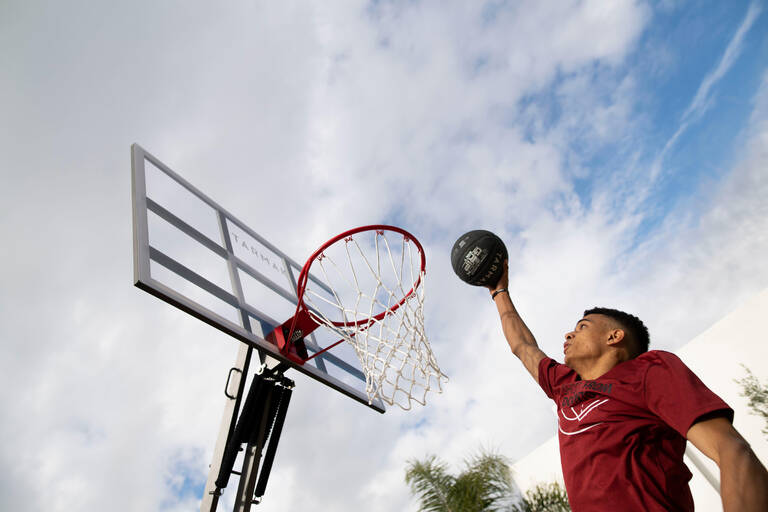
x=193 y=254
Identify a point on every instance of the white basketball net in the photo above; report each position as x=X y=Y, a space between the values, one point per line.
x=367 y=276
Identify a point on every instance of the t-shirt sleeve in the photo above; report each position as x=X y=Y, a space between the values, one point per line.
x=677 y=396
x=553 y=374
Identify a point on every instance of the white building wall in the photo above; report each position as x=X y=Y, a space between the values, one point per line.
x=716 y=357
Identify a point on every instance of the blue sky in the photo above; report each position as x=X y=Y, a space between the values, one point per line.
x=674 y=55
x=544 y=122
x=711 y=143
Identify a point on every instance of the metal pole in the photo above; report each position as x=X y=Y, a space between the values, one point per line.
x=228 y=421
x=252 y=457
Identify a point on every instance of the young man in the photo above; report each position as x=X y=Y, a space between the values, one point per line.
x=624 y=415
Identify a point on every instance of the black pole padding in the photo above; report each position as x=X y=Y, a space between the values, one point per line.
x=269 y=457
x=253 y=435
x=252 y=411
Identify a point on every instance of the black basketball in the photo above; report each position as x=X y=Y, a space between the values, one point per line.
x=478 y=258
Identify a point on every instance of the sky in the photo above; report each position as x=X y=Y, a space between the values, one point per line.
x=617 y=148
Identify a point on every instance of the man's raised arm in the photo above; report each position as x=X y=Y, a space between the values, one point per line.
x=519 y=337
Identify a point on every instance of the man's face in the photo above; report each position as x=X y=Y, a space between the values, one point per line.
x=587 y=341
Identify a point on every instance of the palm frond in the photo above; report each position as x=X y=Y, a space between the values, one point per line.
x=497 y=488
x=431 y=483
x=544 y=498
x=486 y=485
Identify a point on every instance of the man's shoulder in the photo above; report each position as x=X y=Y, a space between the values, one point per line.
x=561 y=368
x=547 y=363
x=657 y=357
x=553 y=374
x=658 y=363
x=650 y=360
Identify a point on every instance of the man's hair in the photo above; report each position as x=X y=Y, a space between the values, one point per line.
x=633 y=327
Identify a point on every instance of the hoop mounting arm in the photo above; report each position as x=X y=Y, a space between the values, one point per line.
x=289 y=336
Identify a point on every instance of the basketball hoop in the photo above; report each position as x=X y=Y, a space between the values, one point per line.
x=371 y=294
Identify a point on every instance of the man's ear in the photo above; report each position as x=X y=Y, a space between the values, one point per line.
x=615 y=336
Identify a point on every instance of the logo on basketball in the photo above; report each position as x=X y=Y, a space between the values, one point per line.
x=473 y=259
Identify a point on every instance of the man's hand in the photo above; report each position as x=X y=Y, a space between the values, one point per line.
x=743 y=479
x=503 y=280
x=519 y=338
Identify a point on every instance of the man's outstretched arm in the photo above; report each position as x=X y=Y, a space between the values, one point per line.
x=519 y=337
x=743 y=479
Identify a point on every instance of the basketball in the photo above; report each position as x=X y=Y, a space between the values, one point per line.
x=478 y=258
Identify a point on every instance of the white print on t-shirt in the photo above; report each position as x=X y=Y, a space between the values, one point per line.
x=577 y=415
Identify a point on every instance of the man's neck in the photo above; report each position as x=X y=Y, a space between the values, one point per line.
x=591 y=370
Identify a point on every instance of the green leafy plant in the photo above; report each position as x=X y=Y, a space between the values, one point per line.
x=485 y=485
x=544 y=498
x=757 y=394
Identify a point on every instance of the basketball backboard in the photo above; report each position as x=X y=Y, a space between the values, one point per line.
x=195 y=255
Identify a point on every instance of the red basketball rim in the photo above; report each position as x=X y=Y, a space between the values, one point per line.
x=304 y=275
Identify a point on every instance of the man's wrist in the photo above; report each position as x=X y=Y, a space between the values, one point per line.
x=496 y=292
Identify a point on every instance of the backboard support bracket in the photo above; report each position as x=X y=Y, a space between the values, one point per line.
x=258 y=427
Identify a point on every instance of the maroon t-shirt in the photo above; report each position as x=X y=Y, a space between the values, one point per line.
x=622 y=436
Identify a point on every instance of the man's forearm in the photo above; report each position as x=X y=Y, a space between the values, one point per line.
x=518 y=336
x=515 y=330
x=743 y=480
